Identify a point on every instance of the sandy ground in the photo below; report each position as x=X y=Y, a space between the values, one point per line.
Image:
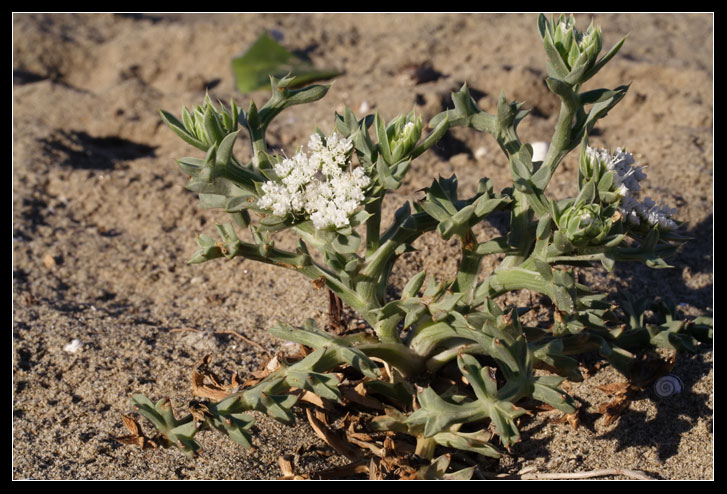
x=102 y=226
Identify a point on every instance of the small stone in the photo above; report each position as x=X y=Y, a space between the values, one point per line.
x=49 y=261
x=73 y=347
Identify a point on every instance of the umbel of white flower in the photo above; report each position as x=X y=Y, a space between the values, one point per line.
x=626 y=182
x=319 y=185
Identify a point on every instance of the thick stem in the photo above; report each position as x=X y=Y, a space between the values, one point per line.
x=561 y=143
x=397 y=355
x=373 y=226
x=469 y=267
x=425 y=447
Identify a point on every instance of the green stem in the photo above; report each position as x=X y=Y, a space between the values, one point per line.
x=506 y=279
x=561 y=143
x=373 y=226
x=425 y=447
x=469 y=267
x=397 y=355
x=374 y=272
x=436 y=361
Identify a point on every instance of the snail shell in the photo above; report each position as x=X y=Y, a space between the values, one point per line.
x=667 y=386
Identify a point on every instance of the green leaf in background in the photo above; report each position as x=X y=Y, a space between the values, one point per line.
x=265 y=57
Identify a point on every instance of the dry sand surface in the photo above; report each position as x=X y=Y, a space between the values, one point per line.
x=103 y=227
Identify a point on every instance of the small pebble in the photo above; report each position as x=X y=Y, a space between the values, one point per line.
x=73 y=346
x=49 y=261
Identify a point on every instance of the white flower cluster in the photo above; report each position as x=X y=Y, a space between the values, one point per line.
x=626 y=180
x=319 y=185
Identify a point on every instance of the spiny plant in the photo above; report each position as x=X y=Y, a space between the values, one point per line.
x=330 y=196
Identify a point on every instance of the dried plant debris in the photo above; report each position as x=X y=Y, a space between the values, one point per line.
x=206 y=384
x=646 y=371
x=136 y=435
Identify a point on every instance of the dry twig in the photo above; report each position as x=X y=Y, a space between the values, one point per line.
x=633 y=474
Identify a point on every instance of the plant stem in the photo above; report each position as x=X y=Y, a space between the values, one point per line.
x=373 y=226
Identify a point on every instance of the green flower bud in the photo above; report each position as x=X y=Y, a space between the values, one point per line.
x=584 y=224
x=208 y=125
x=572 y=54
x=403 y=133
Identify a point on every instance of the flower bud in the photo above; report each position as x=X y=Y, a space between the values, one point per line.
x=571 y=53
x=209 y=125
x=403 y=133
x=583 y=224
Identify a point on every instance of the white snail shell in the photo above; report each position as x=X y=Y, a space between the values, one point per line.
x=667 y=386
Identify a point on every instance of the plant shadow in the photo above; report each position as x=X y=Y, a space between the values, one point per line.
x=79 y=150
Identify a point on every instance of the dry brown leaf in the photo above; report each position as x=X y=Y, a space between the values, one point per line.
x=375 y=471
x=341 y=446
x=617 y=389
x=354 y=395
x=137 y=436
x=215 y=390
x=572 y=418
x=377 y=450
x=313 y=399
x=335 y=314
x=390 y=460
x=199 y=411
x=613 y=409
x=286 y=464
x=361 y=436
x=357 y=467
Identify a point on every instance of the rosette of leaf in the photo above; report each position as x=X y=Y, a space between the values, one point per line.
x=441 y=413
x=619 y=339
x=664 y=329
x=177 y=432
x=572 y=54
x=588 y=226
x=456 y=216
x=397 y=143
x=583 y=224
x=205 y=125
x=450 y=436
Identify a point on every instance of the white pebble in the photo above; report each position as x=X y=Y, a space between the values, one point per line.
x=73 y=346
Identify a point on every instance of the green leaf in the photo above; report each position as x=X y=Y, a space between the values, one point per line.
x=224 y=152
x=267 y=57
x=178 y=432
x=179 y=129
x=346 y=244
x=477 y=442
